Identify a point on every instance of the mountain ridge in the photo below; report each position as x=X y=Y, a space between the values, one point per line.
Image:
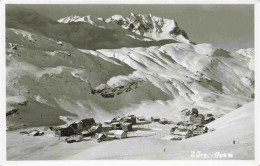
x=146 y=25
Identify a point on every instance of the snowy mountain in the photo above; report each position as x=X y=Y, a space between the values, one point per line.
x=84 y=35
x=105 y=82
x=151 y=26
x=87 y=19
x=193 y=72
x=73 y=82
x=62 y=71
x=145 y=25
x=249 y=52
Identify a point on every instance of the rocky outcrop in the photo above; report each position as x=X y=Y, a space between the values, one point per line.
x=110 y=92
x=12 y=111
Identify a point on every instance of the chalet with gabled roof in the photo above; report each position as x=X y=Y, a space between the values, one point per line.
x=182 y=133
x=200 y=130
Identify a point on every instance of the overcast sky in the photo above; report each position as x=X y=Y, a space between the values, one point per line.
x=227 y=26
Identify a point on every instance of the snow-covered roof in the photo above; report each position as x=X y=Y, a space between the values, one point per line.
x=181 y=132
x=99 y=135
x=85 y=132
x=126 y=124
x=115 y=123
x=119 y=132
x=94 y=128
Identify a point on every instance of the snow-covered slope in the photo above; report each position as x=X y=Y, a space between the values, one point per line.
x=57 y=80
x=241 y=116
x=160 y=79
x=205 y=76
x=249 y=52
x=246 y=55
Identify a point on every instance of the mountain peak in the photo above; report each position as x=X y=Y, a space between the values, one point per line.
x=151 y=26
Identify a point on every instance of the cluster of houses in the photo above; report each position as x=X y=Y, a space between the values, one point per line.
x=119 y=126
x=116 y=128
x=195 y=125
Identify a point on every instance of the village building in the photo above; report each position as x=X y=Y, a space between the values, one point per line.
x=124 y=118
x=100 y=137
x=129 y=119
x=116 y=125
x=87 y=123
x=197 y=119
x=133 y=119
x=106 y=127
x=108 y=121
x=117 y=119
x=87 y=133
x=182 y=133
x=190 y=127
x=68 y=131
x=163 y=121
x=155 y=119
x=141 y=118
x=172 y=130
x=84 y=124
x=77 y=127
x=120 y=134
x=200 y=130
x=96 y=129
x=126 y=126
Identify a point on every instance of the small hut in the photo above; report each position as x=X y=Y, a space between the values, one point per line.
x=155 y=119
x=68 y=131
x=163 y=121
x=100 y=137
x=141 y=118
x=120 y=134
